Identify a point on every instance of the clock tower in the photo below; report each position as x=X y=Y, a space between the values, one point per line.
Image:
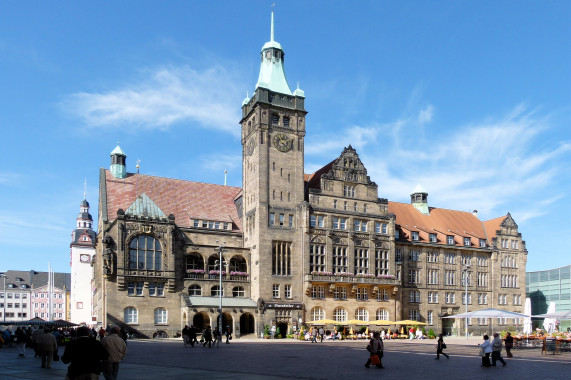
x=273 y=130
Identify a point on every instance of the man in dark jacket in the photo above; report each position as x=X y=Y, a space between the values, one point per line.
x=85 y=356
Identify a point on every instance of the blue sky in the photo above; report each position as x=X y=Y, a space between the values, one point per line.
x=471 y=99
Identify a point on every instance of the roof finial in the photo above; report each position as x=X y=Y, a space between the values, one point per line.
x=225 y=175
x=85 y=189
x=272 y=30
x=138 y=165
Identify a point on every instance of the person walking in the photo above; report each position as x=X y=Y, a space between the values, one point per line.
x=84 y=355
x=321 y=333
x=486 y=350
x=375 y=348
x=117 y=349
x=185 y=335
x=411 y=333
x=36 y=335
x=314 y=335
x=207 y=336
x=509 y=343
x=228 y=335
x=217 y=337
x=21 y=338
x=497 y=350
x=440 y=347
x=48 y=347
x=101 y=333
x=192 y=335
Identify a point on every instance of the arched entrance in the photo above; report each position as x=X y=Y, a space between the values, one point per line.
x=246 y=324
x=226 y=321
x=281 y=330
x=447 y=326
x=201 y=320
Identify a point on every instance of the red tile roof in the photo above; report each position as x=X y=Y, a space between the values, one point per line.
x=443 y=222
x=201 y=200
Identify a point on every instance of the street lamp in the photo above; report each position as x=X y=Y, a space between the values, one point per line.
x=220 y=262
x=466 y=295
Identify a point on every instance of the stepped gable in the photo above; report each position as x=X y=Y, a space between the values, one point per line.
x=172 y=196
x=439 y=221
x=494 y=225
x=347 y=167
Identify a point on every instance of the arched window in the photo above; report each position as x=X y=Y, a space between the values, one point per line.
x=160 y=316
x=145 y=253
x=131 y=315
x=238 y=264
x=238 y=291
x=382 y=314
x=317 y=313
x=340 y=314
x=194 y=290
x=194 y=262
x=215 y=291
x=213 y=263
x=362 y=314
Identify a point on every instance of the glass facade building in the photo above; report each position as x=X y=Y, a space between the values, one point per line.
x=544 y=287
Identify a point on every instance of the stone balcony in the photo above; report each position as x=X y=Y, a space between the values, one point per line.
x=215 y=277
x=351 y=279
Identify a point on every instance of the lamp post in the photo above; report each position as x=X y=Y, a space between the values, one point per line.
x=466 y=295
x=220 y=250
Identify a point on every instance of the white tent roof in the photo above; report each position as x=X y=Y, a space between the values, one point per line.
x=555 y=315
x=489 y=313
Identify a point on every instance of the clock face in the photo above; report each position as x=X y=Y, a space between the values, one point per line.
x=250 y=147
x=282 y=142
x=84 y=258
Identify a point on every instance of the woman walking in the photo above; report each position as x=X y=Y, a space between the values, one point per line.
x=441 y=346
x=375 y=349
x=485 y=351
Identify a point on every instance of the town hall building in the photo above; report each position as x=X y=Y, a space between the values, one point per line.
x=288 y=247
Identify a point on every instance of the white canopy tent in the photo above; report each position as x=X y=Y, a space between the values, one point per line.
x=527 y=325
x=555 y=315
x=489 y=313
x=549 y=323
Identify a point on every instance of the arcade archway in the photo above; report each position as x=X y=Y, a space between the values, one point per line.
x=201 y=320
x=246 y=324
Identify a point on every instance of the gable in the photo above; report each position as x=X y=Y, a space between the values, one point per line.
x=144 y=206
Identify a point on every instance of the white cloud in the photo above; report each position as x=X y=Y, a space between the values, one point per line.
x=425 y=115
x=162 y=98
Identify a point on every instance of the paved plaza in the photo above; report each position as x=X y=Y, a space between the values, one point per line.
x=281 y=359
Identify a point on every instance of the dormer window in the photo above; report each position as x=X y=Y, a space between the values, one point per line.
x=467 y=242
x=432 y=238
x=449 y=239
x=483 y=243
x=414 y=235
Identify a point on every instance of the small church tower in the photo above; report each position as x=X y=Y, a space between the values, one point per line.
x=82 y=252
x=419 y=199
x=118 y=163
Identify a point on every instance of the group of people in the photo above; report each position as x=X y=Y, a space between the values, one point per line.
x=495 y=349
x=87 y=356
x=209 y=337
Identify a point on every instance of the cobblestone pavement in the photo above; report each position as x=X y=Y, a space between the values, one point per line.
x=281 y=359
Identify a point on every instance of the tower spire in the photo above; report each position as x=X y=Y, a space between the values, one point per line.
x=272 y=27
x=84 y=188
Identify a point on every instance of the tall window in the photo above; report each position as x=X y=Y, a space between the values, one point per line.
x=361 y=260
x=429 y=317
x=317 y=258
x=160 y=316
x=340 y=293
x=449 y=258
x=450 y=297
x=145 y=253
x=339 y=259
x=449 y=277
x=382 y=314
x=361 y=294
x=414 y=256
x=381 y=262
x=156 y=289
x=414 y=296
x=414 y=315
x=349 y=191
x=340 y=314
x=432 y=257
x=238 y=264
x=134 y=288
x=432 y=276
x=383 y=294
x=281 y=258
x=276 y=291
x=466 y=277
x=318 y=292
x=317 y=313
x=362 y=314
x=414 y=276
x=482 y=279
x=194 y=262
x=131 y=315
x=432 y=297
x=287 y=291
x=464 y=298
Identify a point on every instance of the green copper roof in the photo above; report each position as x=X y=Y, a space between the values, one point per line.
x=144 y=206
x=118 y=151
x=299 y=92
x=272 y=75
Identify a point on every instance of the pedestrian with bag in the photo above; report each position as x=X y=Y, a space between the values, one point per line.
x=509 y=343
x=440 y=347
x=375 y=349
x=485 y=351
x=117 y=349
x=497 y=350
x=85 y=355
x=228 y=335
x=207 y=336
